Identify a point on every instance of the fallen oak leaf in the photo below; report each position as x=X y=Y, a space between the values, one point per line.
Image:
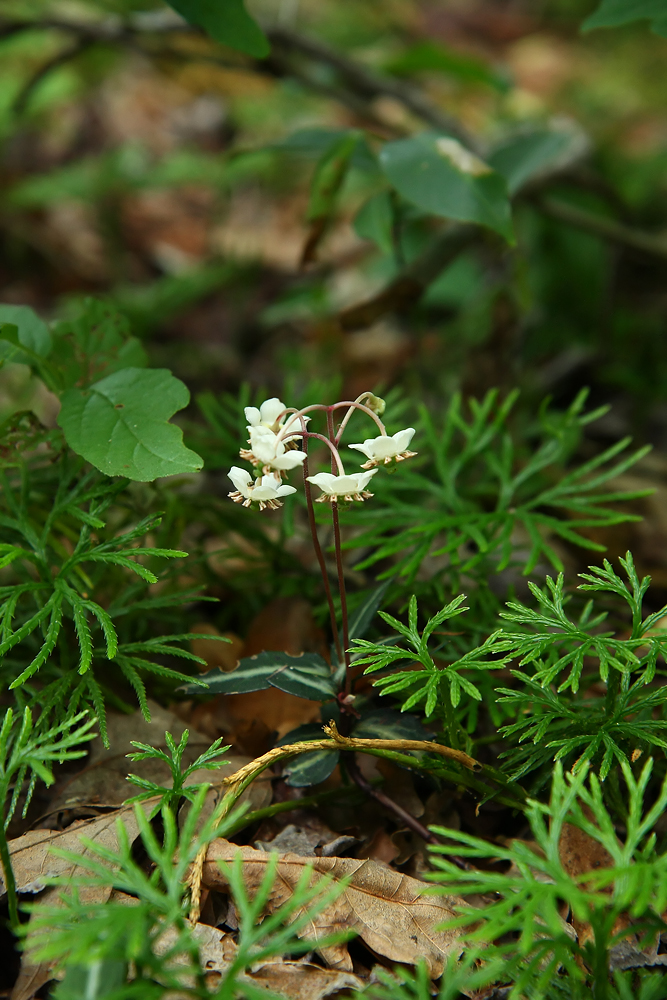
x=34 y=863
x=298 y=980
x=388 y=910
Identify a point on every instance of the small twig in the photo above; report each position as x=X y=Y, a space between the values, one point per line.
x=370 y=84
x=608 y=229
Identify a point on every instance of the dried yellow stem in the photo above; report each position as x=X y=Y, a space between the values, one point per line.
x=237 y=782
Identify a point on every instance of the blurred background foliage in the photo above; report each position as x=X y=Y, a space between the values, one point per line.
x=143 y=163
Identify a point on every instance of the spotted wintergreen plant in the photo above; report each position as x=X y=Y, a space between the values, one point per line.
x=279 y=437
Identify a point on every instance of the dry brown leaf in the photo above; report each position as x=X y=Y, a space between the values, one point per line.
x=298 y=980
x=33 y=860
x=104 y=781
x=387 y=909
x=302 y=980
x=30 y=979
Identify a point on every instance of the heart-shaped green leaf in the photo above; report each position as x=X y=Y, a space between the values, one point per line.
x=121 y=424
x=439 y=175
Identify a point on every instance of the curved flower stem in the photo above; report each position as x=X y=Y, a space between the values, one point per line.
x=339 y=567
x=318 y=549
x=352 y=406
x=336 y=461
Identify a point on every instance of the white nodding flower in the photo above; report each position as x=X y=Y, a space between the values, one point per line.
x=267 y=450
x=264 y=491
x=267 y=415
x=348 y=487
x=385 y=448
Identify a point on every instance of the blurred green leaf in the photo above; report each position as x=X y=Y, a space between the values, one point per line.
x=120 y=424
x=226 y=21
x=528 y=155
x=307 y=676
x=430 y=56
x=614 y=13
x=31 y=331
x=438 y=174
x=375 y=220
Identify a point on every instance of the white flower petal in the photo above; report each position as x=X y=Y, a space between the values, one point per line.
x=363 y=448
x=336 y=485
x=269 y=488
x=403 y=438
x=325 y=480
x=252 y=415
x=285 y=490
x=290 y=460
x=241 y=479
x=270 y=410
x=384 y=446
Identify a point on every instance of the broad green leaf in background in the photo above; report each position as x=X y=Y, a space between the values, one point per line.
x=375 y=221
x=432 y=57
x=438 y=174
x=33 y=332
x=613 y=13
x=528 y=155
x=226 y=21
x=121 y=424
x=326 y=184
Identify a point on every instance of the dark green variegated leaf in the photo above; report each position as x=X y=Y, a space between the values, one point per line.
x=308 y=768
x=385 y=724
x=307 y=676
x=439 y=175
x=226 y=21
x=529 y=155
x=614 y=13
x=121 y=424
x=252 y=674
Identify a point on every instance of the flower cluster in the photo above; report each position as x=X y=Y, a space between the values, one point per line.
x=274 y=432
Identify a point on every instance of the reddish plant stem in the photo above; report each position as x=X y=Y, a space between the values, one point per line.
x=398 y=811
x=318 y=552
x=339 y=566
x=393 y=807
